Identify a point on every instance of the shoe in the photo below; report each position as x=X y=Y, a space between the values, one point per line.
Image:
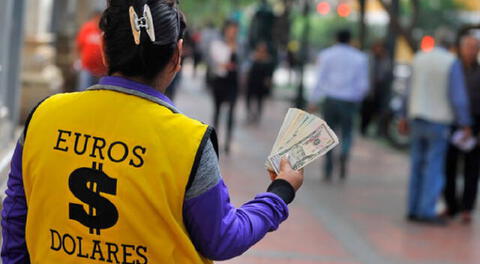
x=227 y=149
x=343 y=168
x=412 y=218
x=447 y=214
x=466 y=218
x=433 y=221
x=328 y=171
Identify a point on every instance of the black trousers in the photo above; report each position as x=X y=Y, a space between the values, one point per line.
x=471 y=171
x=373 y=109
x=256 y=94
x=225 y=92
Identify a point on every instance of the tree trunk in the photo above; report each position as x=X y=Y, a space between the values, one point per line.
x=362 y=24
x=403 y=31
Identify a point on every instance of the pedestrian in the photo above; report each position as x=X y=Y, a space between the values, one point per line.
x=291 y=60
x=197 y=53
x=468 y=51
x=89 y=48
x=117 y=174
x=208 y=35
x=226 y=66
x=375 y=104
x=259 y=82
x=342 y=78
x=437 y=99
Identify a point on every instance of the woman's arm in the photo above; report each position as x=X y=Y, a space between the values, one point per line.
x=14 y=214
x=218 y=230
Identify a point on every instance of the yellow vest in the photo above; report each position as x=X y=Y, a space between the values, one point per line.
x=105 y=175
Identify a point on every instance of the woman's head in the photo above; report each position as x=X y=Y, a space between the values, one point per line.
x=147 y=59
x=261 y=51
x=469 y=48
x=230 y=30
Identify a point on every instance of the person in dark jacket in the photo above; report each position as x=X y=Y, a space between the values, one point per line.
x=469 y=49
x=226 y=66
x=259 y=82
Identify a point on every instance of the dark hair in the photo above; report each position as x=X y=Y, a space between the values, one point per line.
x=344 y=36
x=229 y=23
x=149 y=58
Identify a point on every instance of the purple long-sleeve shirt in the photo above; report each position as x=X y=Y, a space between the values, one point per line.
x=217 y=229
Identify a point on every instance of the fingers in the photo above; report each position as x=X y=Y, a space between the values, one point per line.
x=285 y=164
x=272 y=175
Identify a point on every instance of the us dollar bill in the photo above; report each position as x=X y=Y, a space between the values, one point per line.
x=309 y=148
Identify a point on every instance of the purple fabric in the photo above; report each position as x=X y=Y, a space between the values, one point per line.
x=14 y=214
x=220 y=231
x=122 y=82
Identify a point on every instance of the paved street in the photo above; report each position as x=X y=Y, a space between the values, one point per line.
x=360 y=221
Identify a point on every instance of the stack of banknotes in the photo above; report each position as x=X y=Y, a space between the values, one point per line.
x=302 y=138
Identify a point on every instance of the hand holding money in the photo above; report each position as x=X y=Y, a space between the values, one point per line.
x=304 y=138
x=295 y=178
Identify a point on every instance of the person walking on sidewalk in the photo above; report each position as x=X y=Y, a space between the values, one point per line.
x=342 y=78
x=437 y=99
x=259 y=82
x=375 y=105
x=226 y=66
x=117 y=174
x=469 y=49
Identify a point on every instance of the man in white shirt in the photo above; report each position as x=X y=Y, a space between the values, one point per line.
x=437 y=100
x=342 y=79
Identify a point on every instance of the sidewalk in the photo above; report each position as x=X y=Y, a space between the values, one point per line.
x=360 y=221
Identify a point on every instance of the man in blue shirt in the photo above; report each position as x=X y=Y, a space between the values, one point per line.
x=342 y=78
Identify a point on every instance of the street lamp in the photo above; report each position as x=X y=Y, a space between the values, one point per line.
x=300 y=99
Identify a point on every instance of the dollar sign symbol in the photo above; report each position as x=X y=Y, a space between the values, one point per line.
x=87 y=184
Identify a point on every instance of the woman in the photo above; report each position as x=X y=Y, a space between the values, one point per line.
x=224 y=54
x=117 y=174
x=259 y=81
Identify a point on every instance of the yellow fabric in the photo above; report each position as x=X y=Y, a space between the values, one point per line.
x=145 y=186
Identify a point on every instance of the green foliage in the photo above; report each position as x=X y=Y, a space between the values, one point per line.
x=434 y=14
x=200 y=12
x=324 y=29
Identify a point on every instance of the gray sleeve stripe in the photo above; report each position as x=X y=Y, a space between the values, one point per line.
x=198 y=156
x=207 y=174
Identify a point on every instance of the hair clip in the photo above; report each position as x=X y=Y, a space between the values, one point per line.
x=137 y=23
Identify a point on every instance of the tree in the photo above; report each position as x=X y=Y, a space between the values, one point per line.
x=362 y=24
x=407 y=30
x=421 y=16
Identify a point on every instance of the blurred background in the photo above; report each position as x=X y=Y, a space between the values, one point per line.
x=361 y=220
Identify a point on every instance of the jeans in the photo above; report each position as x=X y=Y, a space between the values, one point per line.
x=427 y=178
x=339 y=115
